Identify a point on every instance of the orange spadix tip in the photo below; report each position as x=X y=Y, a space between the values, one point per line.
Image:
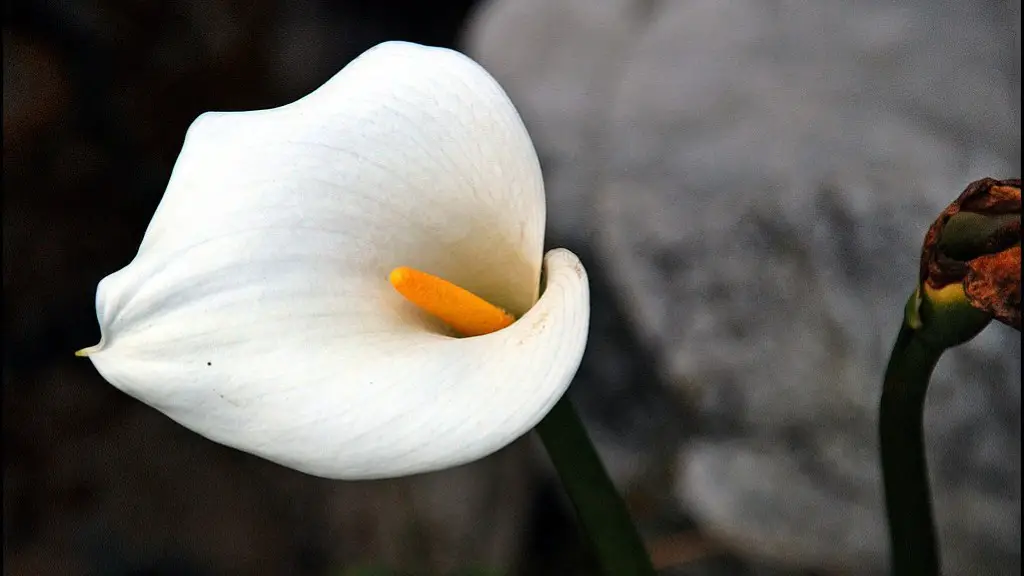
x=467 y=313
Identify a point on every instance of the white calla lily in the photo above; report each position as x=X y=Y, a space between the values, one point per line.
x=258 y=311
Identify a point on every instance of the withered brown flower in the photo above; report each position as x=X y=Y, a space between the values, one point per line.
x=975 y=242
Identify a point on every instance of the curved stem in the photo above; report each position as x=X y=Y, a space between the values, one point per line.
x=600 y=509
x=904 y=470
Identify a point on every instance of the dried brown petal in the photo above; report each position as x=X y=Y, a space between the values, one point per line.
x=993 y=285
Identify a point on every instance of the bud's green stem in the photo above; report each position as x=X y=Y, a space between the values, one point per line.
x=934 y=320
x=904 y=469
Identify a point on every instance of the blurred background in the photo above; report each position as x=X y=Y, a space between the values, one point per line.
x=747 y=182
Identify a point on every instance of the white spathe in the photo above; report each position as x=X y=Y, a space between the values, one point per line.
x=258 y=312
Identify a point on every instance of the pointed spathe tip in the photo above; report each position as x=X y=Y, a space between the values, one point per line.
x=89 y=351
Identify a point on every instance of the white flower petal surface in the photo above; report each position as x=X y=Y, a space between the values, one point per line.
x=258 y=313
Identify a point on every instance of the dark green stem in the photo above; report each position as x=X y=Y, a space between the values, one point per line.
x=904 y=470
x=600 y=509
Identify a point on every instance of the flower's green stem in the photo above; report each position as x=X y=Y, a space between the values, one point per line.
x=600 y=509
x=904 y=470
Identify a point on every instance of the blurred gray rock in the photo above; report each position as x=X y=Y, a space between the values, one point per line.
x=756 y=179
